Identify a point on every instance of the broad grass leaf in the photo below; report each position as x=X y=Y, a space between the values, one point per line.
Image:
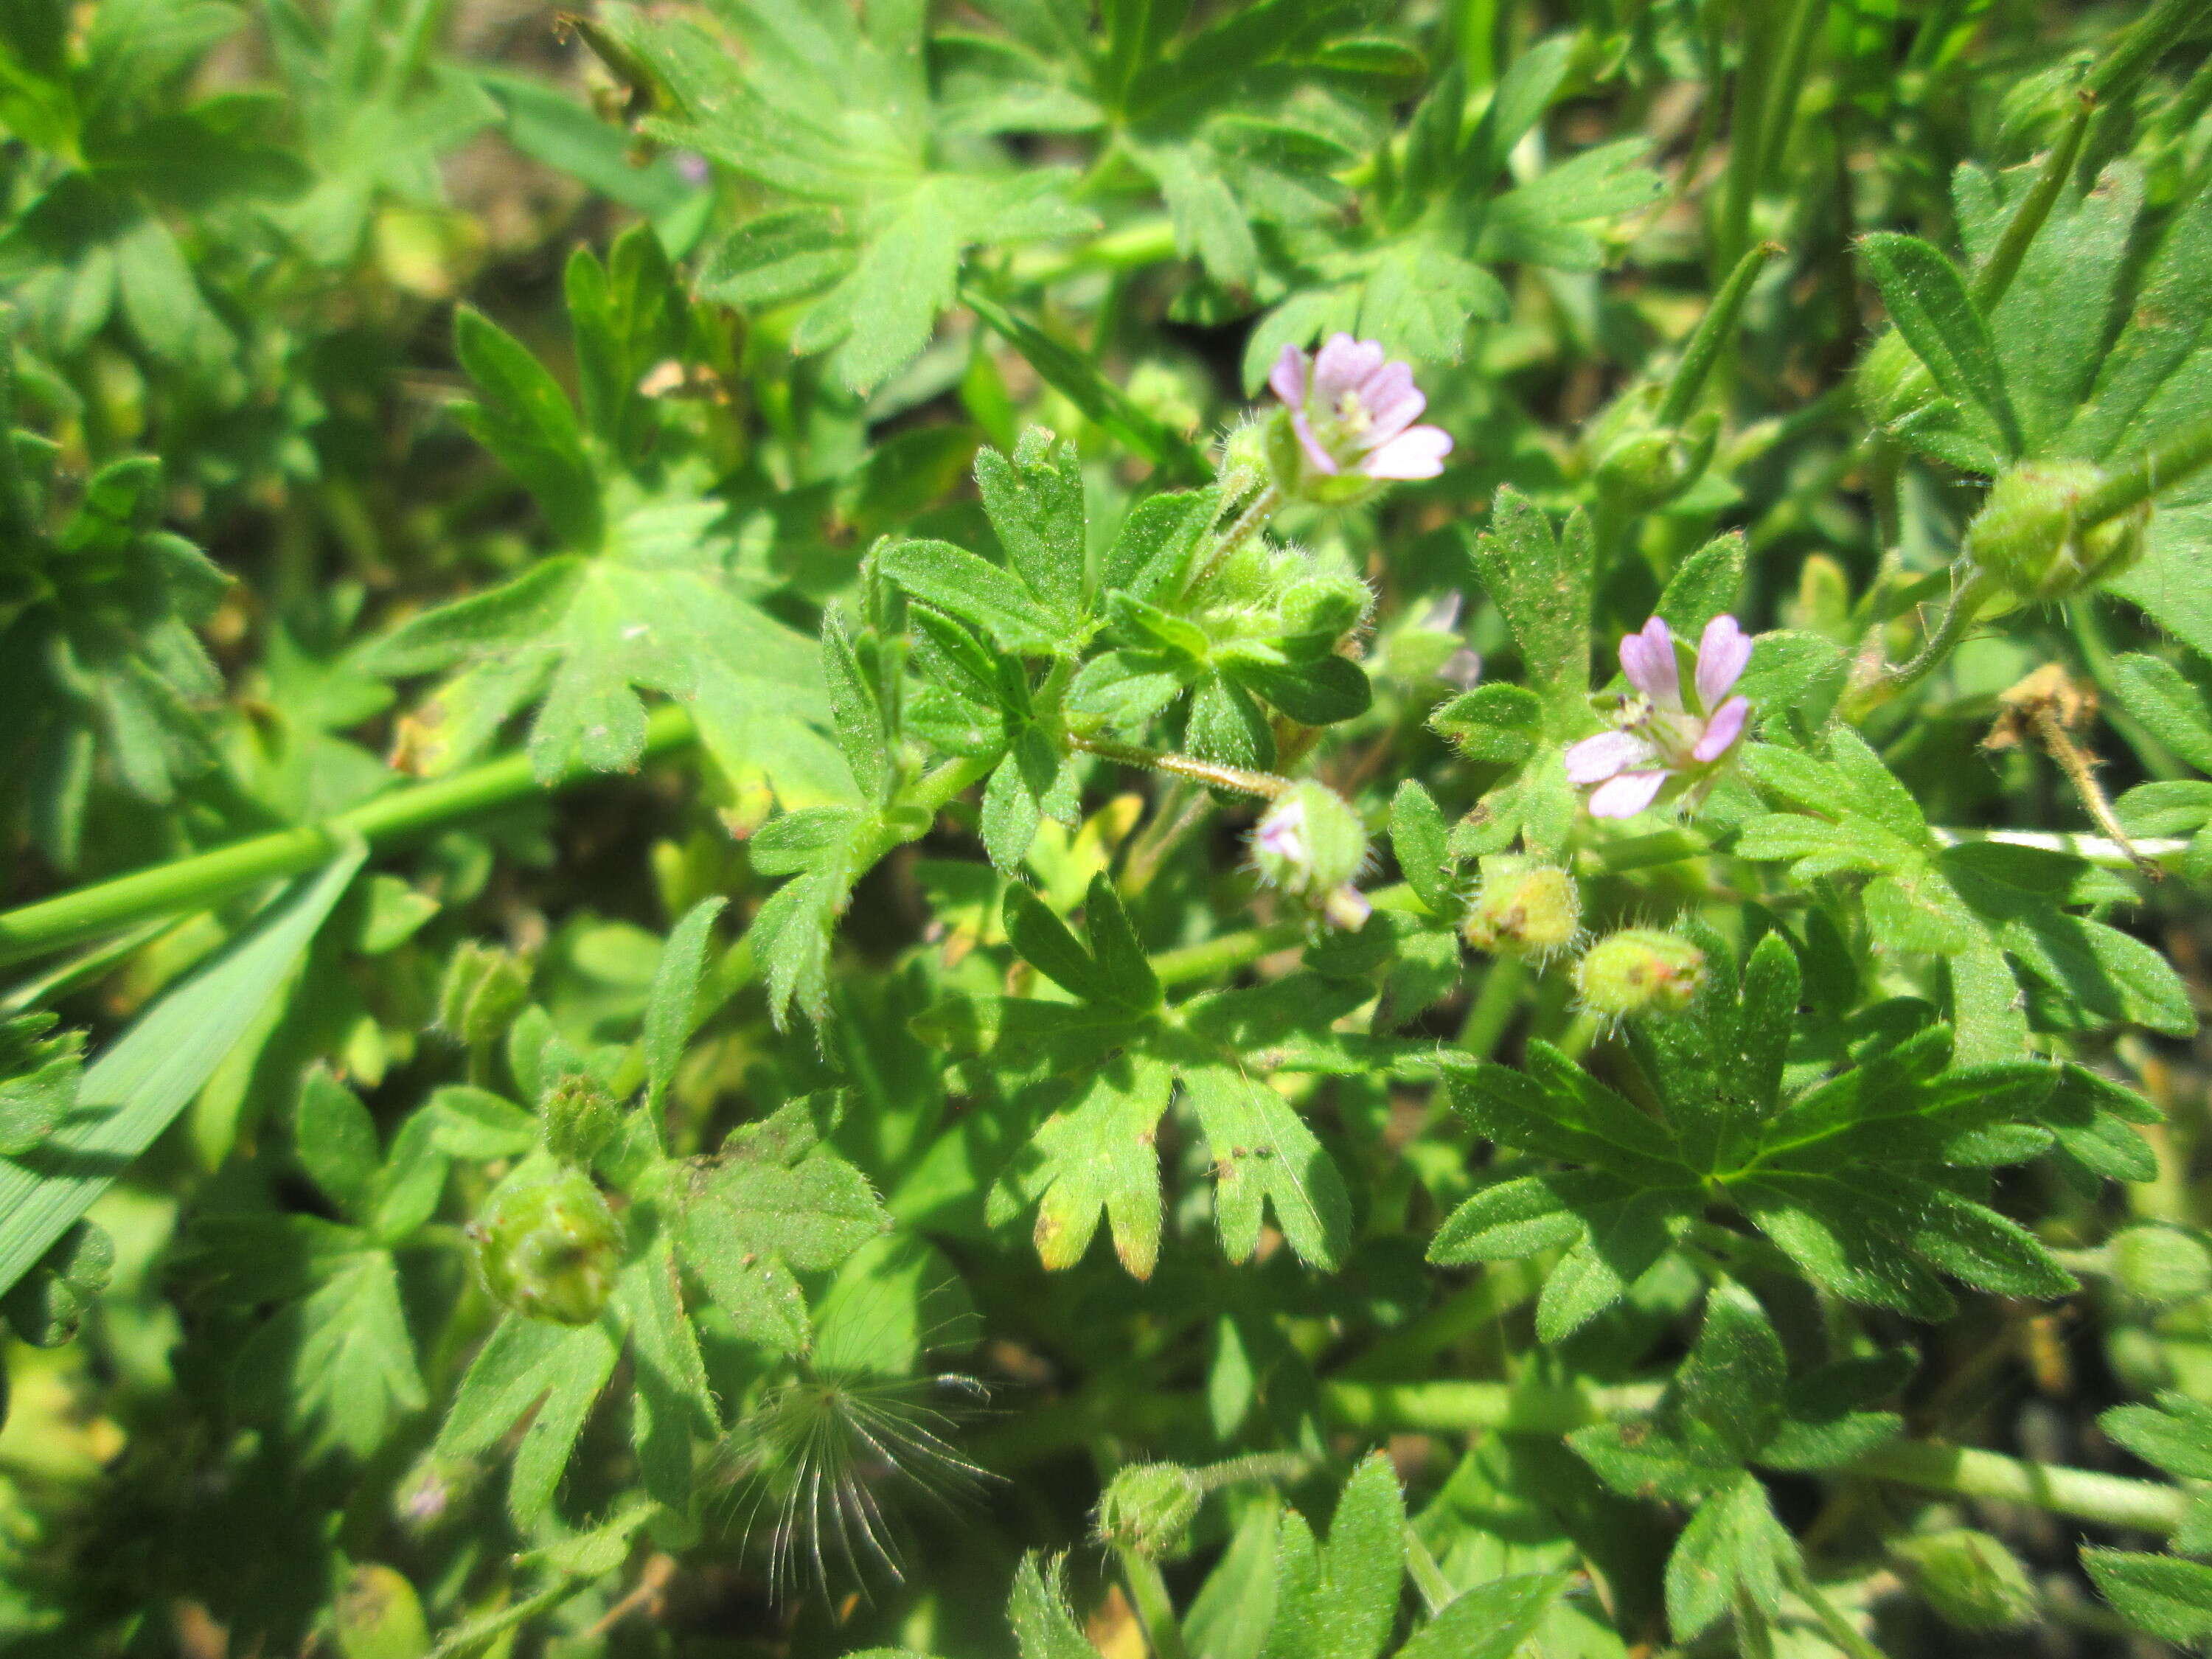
x=137 y=1086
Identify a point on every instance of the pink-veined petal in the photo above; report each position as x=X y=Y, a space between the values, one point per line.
x=1342 y=364
x=1288 y=377
x=1648 y=660
x=1595 y=759
x=1419 y=452
x=1393 y=402
x=1725 y=727
x=1625 y=796
x=1463 y=668
x=1722 y=654
x=1322 y=459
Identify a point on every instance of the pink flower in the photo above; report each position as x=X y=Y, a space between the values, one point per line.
x=1353 y=413
x=1656 y=737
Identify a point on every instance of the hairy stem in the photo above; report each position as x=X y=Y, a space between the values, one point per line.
x=1225 y=954
x=1966 y=602
x=1996 y=275
x=2159 y=467
x=1264 y=784
x=1248 y=524
x=1712 y=334
x=194 y=883
x=1154 y=1606
x=1841 y=1630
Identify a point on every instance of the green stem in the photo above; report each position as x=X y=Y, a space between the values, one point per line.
x=1225 y=954
x=1265 y=785
x=1436 y=1592
x=1247 y=524
x=1154 y=1606
x=474 y=1637
x=1456 y=1406
x=2161 y=467
x=194 y=883
x=1255 y=1466
x=1840 y=1629
x=2003 y=263
x=1966 y=602
x=1493 y=1009
x=2112 y=1500
x=1711 y=336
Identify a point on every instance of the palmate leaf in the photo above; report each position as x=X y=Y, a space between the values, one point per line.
x=1998 y=913
x=582 y=636
x=831 y=112
x=1871 y=1180
x=1107 y=1072
x=1730 y=1406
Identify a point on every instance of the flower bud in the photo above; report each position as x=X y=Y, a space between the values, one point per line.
x=1969 y=1579
x=1892 y=383
x=1639 y=971
x=1647 y=467
x=581 y=1118
x=1309 y=842
x=1523 y=908
x=48 y=1303
x=2028 y=535
x=484 y=988
x=379 y=1616
x=548 y=1245
x=1149 y=1508
x=2159 y=1264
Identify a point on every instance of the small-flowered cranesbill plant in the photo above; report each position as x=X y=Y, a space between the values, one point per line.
x=924 y=911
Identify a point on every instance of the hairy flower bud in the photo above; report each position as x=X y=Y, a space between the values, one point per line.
x=484 y=988
x=2160 y=1264
x=1523 y=908
x=2029 y=536
x=548 y=1245
x=1891 y=383
x=1639 y=971
x=1969 y=1579
x=1149 y=1507
x=1309 y=842
x=581 y=1118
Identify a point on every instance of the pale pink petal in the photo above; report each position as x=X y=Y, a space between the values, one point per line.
x=1393 y=402
x=1343 y=365
x=1288 y=377
x=1648 y=660
x=1347 y=907
x=1416 y=452
x=1625 y=796
x=1322 y=460
x=1595 y=759
x=1725 y=727
x=1443 y=613
x=1463 y=668
x=1722 y=654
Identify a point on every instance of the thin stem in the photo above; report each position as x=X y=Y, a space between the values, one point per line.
x=1154 y=1606
x=1257 y=1465
x=2158 y=468
x=1712 y=335
x=1436 y=1592
x=1225 y=954
x=1966 y=602
x=1249 y=523
x=1503 y=1286
x=1494 y=1007
x=1455 y=1406
x=1841 y=1630
x=194 y=883
x=2112 y=1500
x=1996 y=273
x=1265 y=785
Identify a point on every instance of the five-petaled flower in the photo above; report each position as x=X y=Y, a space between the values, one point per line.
x=1656 y=737
x=1353 y=415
